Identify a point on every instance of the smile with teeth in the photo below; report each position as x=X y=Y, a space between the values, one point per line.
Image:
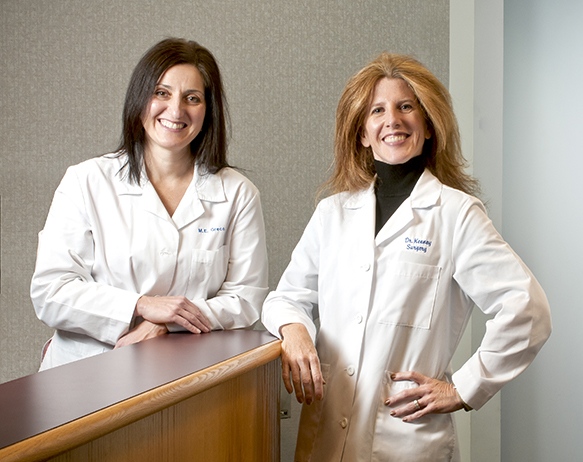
x=394 y=138
x=172 y=125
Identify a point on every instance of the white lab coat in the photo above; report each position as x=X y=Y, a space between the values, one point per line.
x=400 y=302
x=107 y=242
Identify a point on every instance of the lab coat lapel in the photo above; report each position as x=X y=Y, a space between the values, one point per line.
x=151 y=202
x=148 y=197
x=425 y=194
x=208 y=188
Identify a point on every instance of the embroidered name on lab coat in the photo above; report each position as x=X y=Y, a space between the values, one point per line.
x=417 y=245
x=218 y=229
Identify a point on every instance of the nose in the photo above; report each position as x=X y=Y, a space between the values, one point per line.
x=392 y=118
x=175 y=107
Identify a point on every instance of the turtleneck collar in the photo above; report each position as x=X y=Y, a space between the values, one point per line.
x=393 y=180
x=394 y=184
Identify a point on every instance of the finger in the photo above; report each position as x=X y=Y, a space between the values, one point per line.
x=412 y=376
x=189 y=326
x=317 y=381
x=404 y=397
x=308 y=385
x=297 y=385
x=195 y=321
x=285 y=374
x=196 y=317
x=205 y=322
x=412 y=410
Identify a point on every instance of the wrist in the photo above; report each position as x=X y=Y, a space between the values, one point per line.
x=291 y=329
x=140 y=305
x=465 y=406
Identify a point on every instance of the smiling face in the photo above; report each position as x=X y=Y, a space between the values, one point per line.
x=394 y=127
x=175 y=114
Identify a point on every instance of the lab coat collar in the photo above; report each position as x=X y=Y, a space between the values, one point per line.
x=425 y=194
x=209 y=187
x=203 y=187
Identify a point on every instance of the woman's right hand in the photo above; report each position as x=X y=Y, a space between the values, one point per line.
x=300 y=364
x=177 y=310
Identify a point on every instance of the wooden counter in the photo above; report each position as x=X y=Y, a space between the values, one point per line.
x=179 y=397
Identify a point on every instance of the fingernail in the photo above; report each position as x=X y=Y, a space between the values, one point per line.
x=388 y=402
x=392 y=413
x=393 y=375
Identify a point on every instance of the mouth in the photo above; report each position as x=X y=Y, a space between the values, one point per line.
x=395 y=138
x=172 y=125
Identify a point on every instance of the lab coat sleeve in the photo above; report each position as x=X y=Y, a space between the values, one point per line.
x=64 y=294
x=238 y=302
x=296 y=296
x=501 y=285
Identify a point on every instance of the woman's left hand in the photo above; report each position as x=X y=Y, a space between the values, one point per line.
x=142 y=331
x=432 y=396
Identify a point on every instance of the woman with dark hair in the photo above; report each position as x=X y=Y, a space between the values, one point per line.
x=161 y=234
x=382 y=283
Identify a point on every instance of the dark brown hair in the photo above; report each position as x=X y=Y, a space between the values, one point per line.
x=209 y=148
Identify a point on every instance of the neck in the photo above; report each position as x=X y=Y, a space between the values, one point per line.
x=398 y=179
x=164 y=166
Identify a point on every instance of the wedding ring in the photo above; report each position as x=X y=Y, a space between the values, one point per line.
x=417 y=404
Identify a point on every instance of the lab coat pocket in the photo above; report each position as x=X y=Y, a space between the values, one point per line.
x=409 y=294
x=428 y=439
x=391 y=387
x=207 y=271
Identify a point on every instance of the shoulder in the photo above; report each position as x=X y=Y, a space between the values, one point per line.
x=235 y=182
x=108 y=165
x=234 y=176
x=226 y=185
x=98 y=174
x=460 y=199
x=346 y=200
x=430 y=192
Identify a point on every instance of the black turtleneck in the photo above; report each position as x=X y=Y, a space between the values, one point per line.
x=393 y=185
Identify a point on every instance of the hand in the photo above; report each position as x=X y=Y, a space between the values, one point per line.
x=433 y=397
x=299 y=356
x=178 y=310
x=142 y=331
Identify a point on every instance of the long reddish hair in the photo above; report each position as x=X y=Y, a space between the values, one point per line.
x=353 y=168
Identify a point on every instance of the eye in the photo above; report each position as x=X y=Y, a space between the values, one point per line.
x=161 y=93
x=377 y=110
x=407 y=107
x=193 y=99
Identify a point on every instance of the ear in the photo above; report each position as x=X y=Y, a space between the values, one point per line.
x=428 y=129
x=364 y=140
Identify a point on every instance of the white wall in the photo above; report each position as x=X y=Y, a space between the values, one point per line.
x=487 y=167
x=543 y=218
x=476 y=79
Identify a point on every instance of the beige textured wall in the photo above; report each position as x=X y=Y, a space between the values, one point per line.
x=64 y=67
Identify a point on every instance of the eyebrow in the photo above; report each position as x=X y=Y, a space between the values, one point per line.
x=192 y=90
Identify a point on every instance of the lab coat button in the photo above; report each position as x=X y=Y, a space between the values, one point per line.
x=365 y=266
x=359 y=319
x=350 y=370
x=344 y=422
